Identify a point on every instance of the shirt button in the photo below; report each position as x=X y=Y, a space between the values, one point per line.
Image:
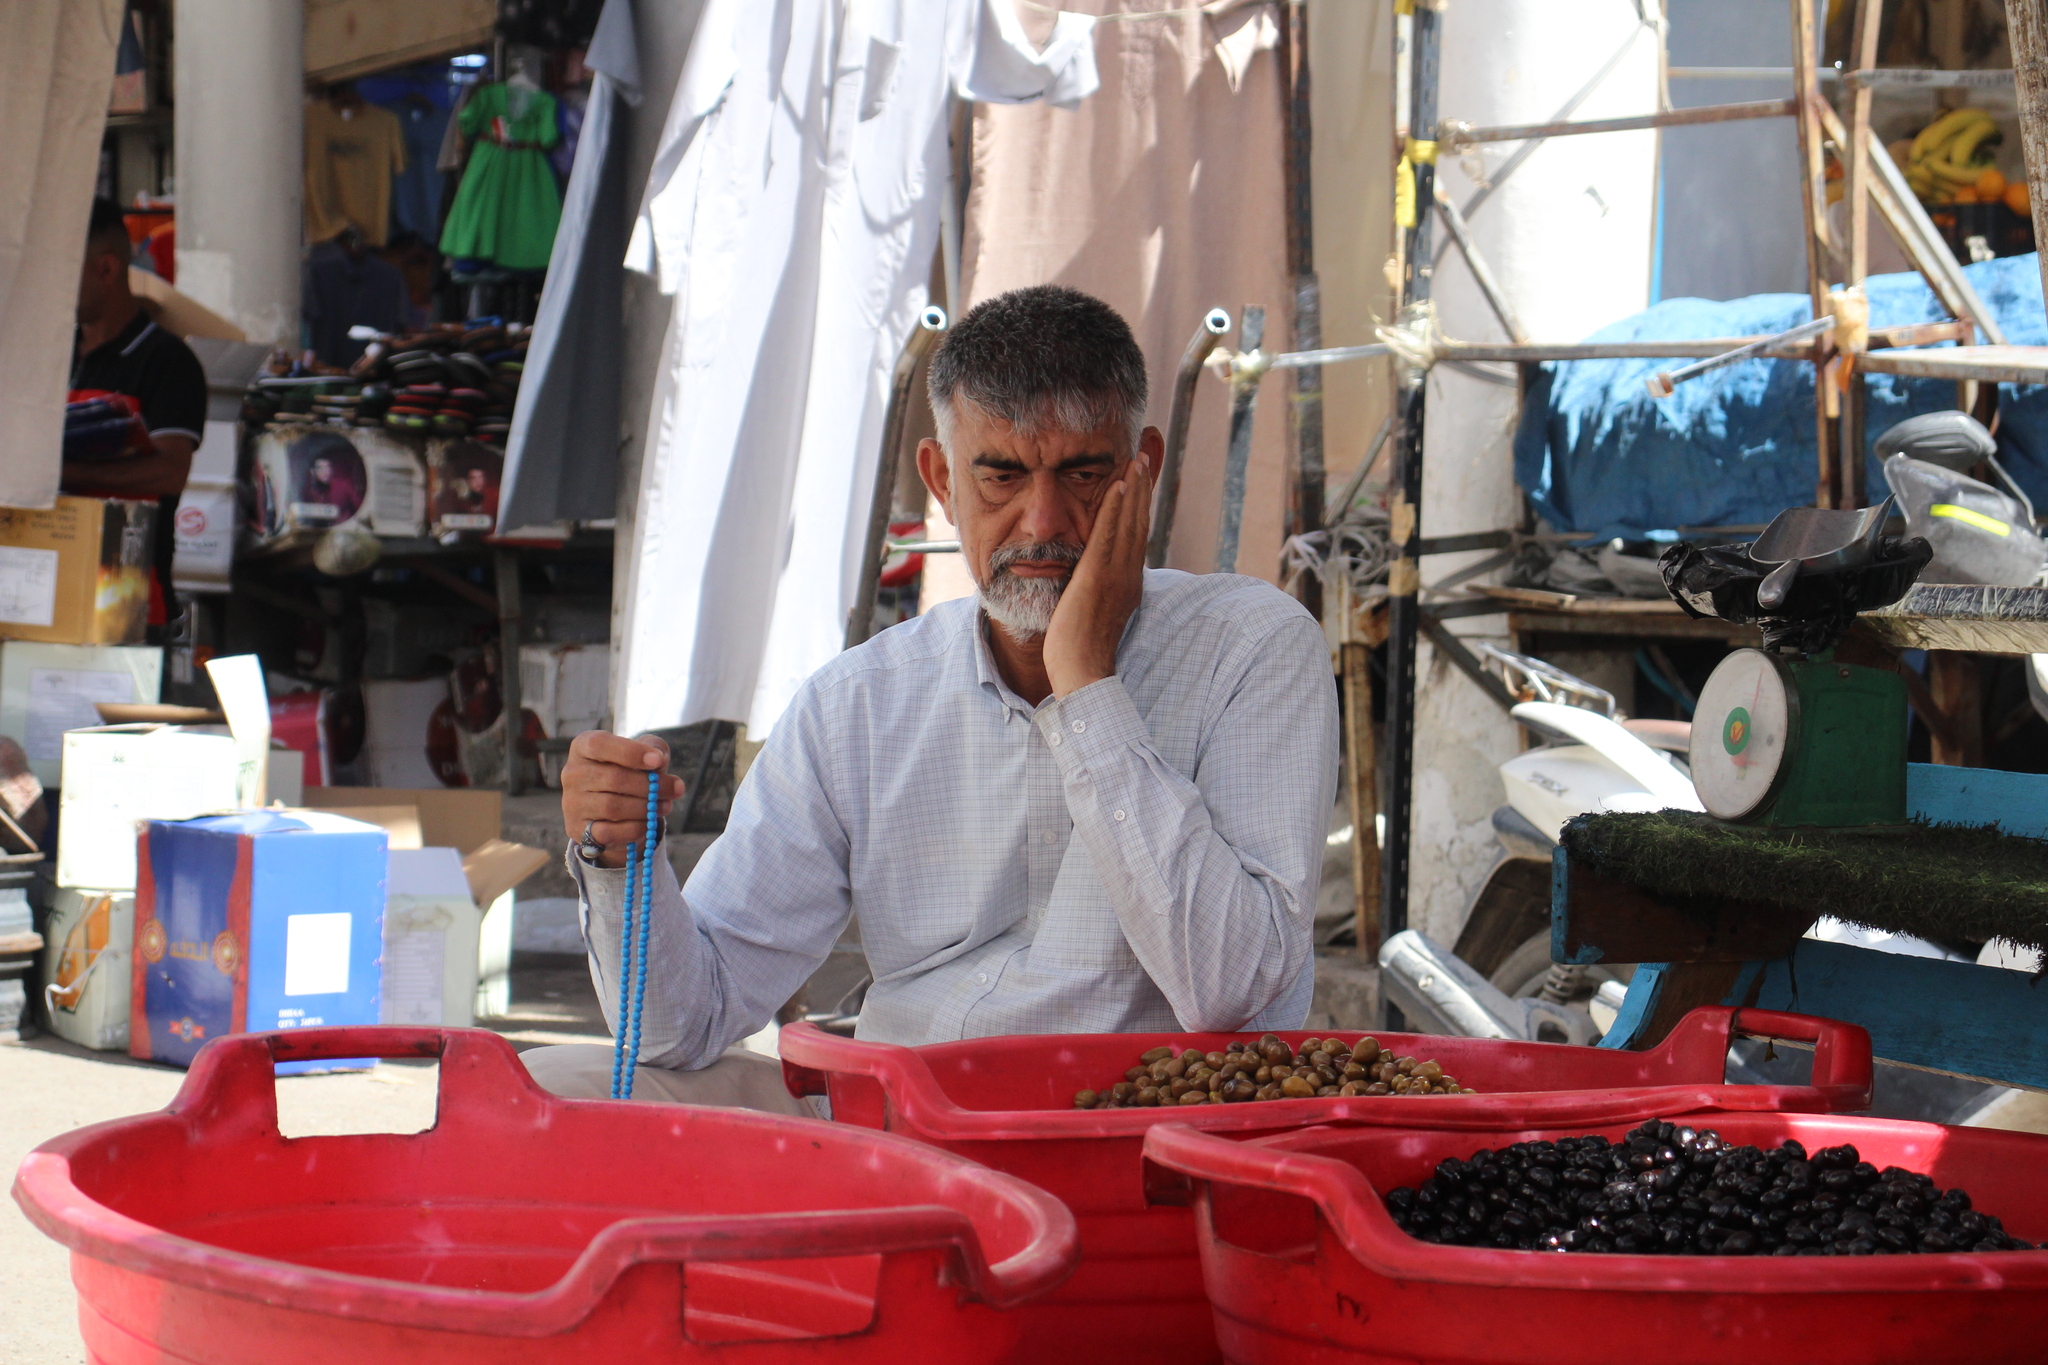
x=1053 y=739
x=1050 y=836
x=1119 y=815
x=1079 y=726
x=982 y=977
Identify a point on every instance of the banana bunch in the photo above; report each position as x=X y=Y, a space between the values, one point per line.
x=1950 y=154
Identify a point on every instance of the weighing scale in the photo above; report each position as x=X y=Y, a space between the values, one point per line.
x=1785 y=735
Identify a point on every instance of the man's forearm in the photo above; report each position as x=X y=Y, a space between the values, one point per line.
x=683 y=1016
x=1222 y=928
x=158 y=475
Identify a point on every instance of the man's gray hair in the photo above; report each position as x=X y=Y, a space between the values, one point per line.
x=1046 y=358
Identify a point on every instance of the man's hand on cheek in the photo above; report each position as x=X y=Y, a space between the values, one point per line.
x=1088 y=624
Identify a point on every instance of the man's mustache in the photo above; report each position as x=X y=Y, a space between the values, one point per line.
x=1043 y=552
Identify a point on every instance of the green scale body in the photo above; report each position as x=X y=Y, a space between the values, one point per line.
x=1784 y=742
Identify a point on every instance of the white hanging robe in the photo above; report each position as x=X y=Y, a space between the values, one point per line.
x=792 y=210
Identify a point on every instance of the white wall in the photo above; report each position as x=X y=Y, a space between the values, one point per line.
x=240 y=161
x=1569 y=237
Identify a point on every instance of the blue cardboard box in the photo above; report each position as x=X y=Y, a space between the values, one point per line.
x=252 y=921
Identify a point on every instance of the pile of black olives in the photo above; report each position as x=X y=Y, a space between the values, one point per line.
x=1269 y=1069
x=1672 y=1190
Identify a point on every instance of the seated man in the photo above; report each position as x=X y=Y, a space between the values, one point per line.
x=1093 y=800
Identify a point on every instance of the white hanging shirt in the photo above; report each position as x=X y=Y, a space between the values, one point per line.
x=793 y=211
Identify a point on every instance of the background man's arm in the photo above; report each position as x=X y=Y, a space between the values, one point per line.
x=160 y=475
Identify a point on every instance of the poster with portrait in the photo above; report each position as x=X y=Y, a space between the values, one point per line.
x=466 y=478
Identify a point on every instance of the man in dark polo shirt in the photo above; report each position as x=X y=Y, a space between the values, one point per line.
x=120 y=350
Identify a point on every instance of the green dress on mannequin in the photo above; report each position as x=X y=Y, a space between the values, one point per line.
x=509 y=205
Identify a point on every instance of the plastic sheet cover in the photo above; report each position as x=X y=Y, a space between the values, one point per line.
x=1596 y=453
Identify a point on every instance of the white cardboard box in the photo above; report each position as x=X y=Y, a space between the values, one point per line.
x=567 y=686
x=47 y=689
x=115 y=775
x=396 y=718
x=86 y=966
x=430 y=940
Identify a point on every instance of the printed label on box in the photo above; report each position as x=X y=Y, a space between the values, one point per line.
x=61 y=699
x=28 y=586
x=414 y=967
x=316 y=954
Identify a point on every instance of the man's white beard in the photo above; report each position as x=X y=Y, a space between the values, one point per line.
x=1024 y=606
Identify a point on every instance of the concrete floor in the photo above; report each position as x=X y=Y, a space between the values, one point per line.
x=49 y=1087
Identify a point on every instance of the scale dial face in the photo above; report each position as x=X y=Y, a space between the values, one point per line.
x=1741 y=734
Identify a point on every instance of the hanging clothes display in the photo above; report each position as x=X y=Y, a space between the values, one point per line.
x=55 y=70
x=343 y=285
x=1161 y=197
x=416 y=195
x=793 y=212
x=562 y=454
x=507 y=209
x=353 y=149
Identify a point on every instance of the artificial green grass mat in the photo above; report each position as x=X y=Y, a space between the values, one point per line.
x=1948 y=883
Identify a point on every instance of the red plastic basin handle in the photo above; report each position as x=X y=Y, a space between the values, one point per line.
x=1841 y=1051
x=338 y=1044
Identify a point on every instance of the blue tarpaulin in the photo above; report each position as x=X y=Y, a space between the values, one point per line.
x=1596 y=453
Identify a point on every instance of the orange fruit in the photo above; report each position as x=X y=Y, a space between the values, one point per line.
x=1965 y=195
x=1990 y=186
x=2017 y=199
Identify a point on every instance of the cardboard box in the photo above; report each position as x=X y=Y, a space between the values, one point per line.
x=86 y=966
x=117 y=775
x=76 y=573
x=467 y=821
x=251 y=921
x=397 y=716
x=430 y=940
x=567 y=686
x=48 y=689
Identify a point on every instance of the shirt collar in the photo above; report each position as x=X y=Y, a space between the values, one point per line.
x=991 y=679
x=985 y=671
x=122 y=342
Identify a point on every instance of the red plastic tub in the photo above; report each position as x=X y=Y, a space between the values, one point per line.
x=1137 y=1297
x=523 y=1227
x=1304 y=1265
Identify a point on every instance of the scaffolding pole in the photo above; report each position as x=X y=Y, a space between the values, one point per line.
x=1404 y=622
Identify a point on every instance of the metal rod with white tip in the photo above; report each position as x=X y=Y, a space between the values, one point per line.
x=1664 y=381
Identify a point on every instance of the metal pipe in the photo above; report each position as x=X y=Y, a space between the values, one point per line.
x=1482 y=274
x=1341 y=503
x=1246 y=370
x=1664 y=381
x=1306 y=512
x=1403 y=575
x=1452 y=138
x=1292 y=360
x=860 y=621
x=1215 y=324
x=505 y=568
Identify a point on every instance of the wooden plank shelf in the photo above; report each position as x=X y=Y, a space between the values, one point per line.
x=1986 y=364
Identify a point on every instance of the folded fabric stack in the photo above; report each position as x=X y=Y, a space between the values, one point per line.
x=454 y=379
x=104 y=426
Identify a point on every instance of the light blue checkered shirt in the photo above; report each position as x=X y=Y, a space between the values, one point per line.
x=1143 y=854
